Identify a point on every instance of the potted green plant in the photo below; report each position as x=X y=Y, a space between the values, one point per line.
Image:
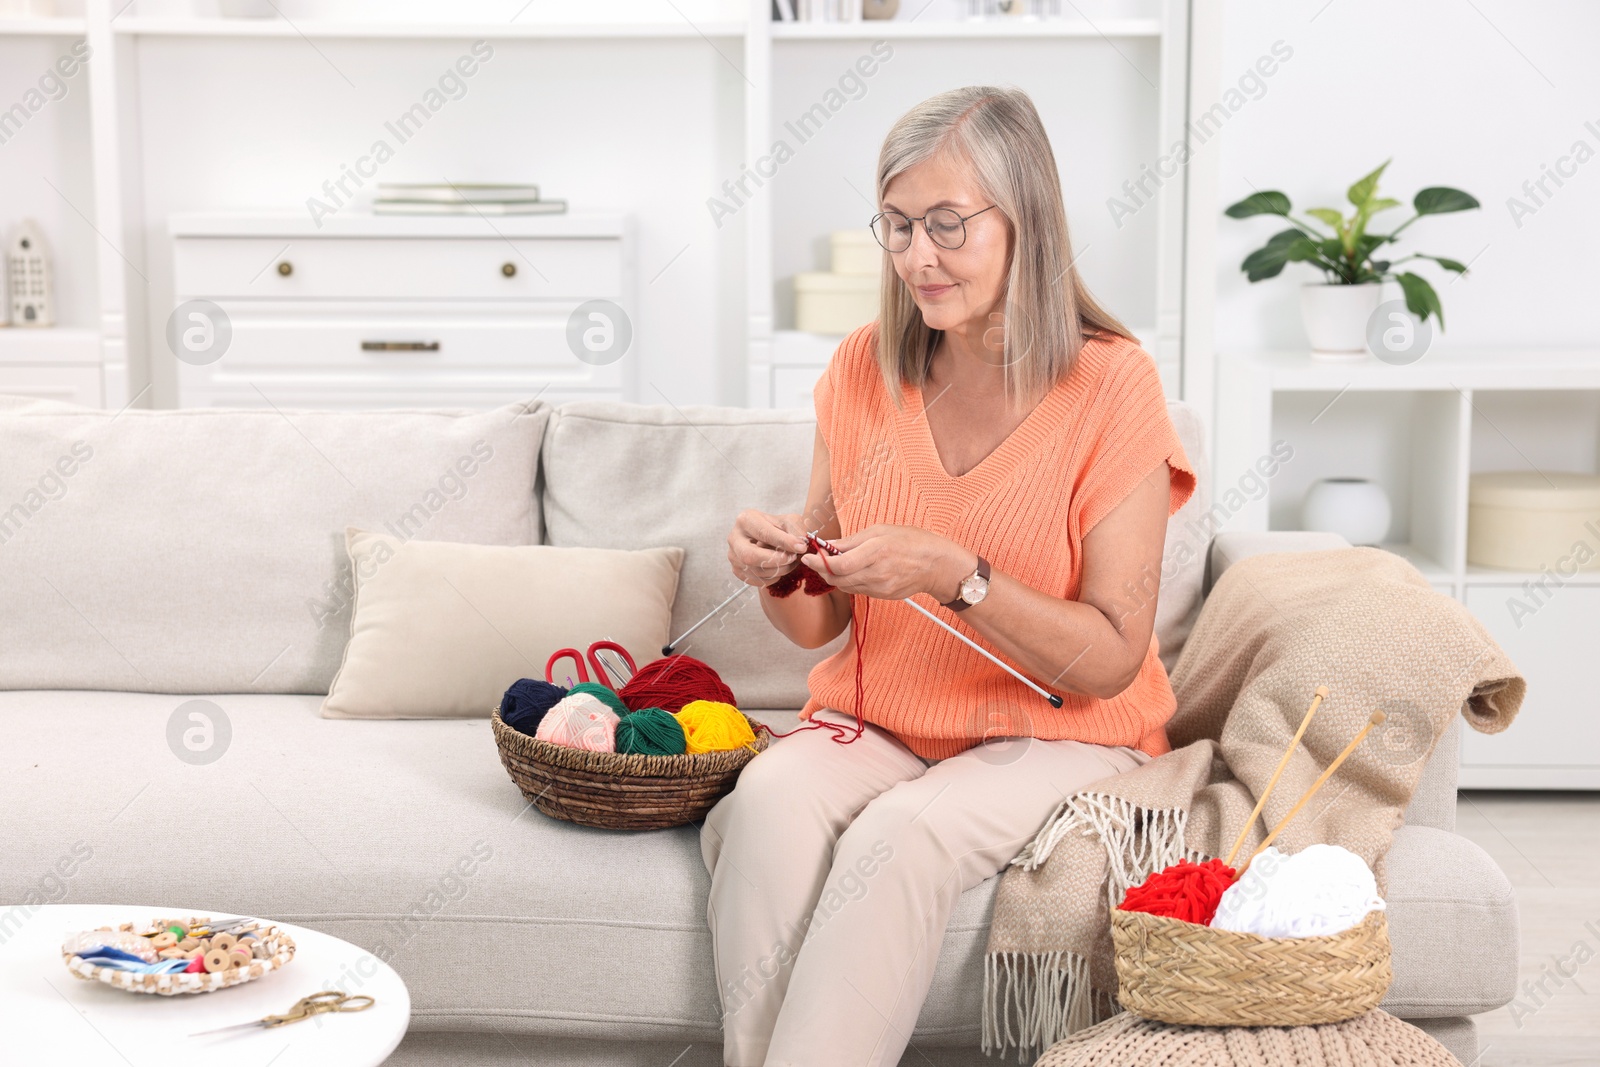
x=1335 y=311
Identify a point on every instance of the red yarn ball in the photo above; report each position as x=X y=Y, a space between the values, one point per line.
x=1187 y=891
x=673 y=681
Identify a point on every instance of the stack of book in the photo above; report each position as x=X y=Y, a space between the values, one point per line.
x=451 y=198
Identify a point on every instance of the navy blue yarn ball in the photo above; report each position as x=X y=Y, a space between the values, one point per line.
x=525 y=703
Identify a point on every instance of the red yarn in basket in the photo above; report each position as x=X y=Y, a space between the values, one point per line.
x=673 y=681
x=1187 y=891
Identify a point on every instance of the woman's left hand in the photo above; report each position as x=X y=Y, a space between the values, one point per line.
x=894 y=562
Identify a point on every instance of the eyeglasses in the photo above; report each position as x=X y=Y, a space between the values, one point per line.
x=945 y=228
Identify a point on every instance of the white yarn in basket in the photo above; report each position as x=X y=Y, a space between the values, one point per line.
x=1319 y=891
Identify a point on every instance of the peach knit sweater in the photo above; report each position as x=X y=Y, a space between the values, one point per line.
x=1025 y=508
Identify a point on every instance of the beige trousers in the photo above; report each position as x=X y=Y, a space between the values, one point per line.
x=835 y=868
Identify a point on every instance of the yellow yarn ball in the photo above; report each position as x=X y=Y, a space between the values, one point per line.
x=712 y=726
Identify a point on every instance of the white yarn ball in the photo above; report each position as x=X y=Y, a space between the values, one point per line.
x=1319 y=891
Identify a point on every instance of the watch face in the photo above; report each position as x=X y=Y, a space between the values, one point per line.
x=974 y=588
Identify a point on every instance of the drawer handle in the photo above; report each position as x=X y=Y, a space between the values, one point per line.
x=399 y=346
x=285 y=268
x=508 y=269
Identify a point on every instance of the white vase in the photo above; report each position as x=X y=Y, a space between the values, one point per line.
x=1353 y=508
x=1335 y=318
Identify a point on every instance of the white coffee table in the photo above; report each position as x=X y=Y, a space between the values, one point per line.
x=53 y=1017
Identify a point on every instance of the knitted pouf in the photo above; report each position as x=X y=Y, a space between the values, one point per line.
x=1376 y=1039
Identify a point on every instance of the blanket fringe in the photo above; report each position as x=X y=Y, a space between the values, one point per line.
x=1047 y=995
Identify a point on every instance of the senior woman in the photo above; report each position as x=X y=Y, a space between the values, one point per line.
x=997 y=448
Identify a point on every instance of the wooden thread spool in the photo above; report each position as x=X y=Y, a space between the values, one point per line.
x=163 y=941
x=224 y=941
x=217 y=960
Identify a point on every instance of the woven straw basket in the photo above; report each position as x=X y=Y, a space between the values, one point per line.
x=1180 y=972
x=620 y=792
x=280 y=947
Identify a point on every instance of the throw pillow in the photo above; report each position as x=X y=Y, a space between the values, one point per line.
x=439 y=629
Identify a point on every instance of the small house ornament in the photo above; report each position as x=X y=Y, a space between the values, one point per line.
x=28 y=267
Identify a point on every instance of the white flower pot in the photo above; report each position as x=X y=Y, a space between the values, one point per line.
x=1353 y=508
x=1336 y=317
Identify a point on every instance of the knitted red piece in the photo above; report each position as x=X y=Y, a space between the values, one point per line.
x=814 y=583
x=1187 y=891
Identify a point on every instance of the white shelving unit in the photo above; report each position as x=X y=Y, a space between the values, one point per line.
x=1421 y=431
x=783 y=363
x=1147 y=45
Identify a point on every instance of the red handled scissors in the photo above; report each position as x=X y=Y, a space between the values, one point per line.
x=600 y=670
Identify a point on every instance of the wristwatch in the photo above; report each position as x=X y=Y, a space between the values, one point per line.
x=974 y=587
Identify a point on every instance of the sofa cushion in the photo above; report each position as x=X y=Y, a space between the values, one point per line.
x=618 y=475
x=406 y=837
x=442 y=628
x=198 y=550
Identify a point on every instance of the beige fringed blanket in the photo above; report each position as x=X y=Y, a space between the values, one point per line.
x=1361 y=621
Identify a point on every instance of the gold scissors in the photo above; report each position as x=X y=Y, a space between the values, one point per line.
x=304 y=1008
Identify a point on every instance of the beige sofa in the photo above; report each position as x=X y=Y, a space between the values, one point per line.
x=152 y=558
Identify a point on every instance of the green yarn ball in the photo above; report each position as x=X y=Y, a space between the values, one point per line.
x=602 y=694
x=651 y=732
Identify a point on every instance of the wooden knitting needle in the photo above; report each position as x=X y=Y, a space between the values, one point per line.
x=1316 y=701
x=1377 y=718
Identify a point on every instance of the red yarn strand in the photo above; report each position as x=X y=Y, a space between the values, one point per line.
x=815 y=585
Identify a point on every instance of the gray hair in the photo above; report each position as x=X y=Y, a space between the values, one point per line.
x=1048 y=313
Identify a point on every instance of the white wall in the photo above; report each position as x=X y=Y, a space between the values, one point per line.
x=1476 y=95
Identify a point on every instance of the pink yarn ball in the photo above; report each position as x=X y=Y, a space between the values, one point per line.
x=579 y=720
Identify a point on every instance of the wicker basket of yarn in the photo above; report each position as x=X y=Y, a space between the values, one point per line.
x=617 y=791
x=1182 y=972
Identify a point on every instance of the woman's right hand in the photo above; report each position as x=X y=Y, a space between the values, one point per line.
x=763 y=548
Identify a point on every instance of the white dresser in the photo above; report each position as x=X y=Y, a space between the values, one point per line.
x=381 y=311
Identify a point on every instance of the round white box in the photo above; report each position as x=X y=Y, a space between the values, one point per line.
x=834 y=303
x=855 y=252
x=1526 y=520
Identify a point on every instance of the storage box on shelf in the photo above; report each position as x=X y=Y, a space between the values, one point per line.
x=1422 y=431
x=368 y=311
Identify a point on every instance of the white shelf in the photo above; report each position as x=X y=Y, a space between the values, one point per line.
x=377 y=30
x=49 y=344
x=363 y=224
x=1296 y=371
x=64 y=27
x=988 y=29
x=1421 y=431
x=1480 y=576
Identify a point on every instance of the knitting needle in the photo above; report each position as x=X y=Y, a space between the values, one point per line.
x=666 y=649
x=1316 y=701
x=1055 y=701
x=1377 y=718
